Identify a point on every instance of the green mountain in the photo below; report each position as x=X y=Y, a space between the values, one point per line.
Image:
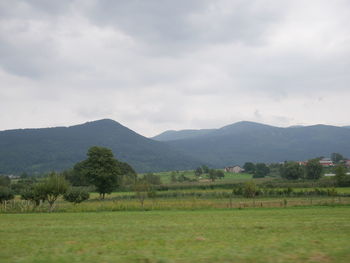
x=248 y=141
x=179 y=135
x=43 y=150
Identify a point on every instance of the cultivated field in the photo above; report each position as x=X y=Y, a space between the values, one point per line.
x=304 y=234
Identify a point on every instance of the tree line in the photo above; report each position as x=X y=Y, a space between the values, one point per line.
x=100 y=170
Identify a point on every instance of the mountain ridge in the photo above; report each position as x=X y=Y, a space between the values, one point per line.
x=37 y=150
x=263 y=143
x=58 y=148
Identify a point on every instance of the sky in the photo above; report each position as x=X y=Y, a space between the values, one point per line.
x=161 y=65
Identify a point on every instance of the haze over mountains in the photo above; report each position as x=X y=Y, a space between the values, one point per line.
x=43 y=150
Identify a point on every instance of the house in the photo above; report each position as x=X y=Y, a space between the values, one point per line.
x=326 y=162
x=234 y=169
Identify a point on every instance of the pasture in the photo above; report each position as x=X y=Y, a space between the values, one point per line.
x=303 y=234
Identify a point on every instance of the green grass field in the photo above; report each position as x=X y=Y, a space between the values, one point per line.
x=307 y=234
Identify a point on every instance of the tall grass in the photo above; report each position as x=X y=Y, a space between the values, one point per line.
x=188 y=203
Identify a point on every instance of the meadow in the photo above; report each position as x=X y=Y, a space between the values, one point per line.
x=303 y=234
x=183 y=222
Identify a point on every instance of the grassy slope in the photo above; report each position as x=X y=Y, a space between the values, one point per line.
x=250 y=235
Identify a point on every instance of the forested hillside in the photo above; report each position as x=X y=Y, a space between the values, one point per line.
x=43 y=150
x=248 y=141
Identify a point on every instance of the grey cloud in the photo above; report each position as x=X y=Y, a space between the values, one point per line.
x=174 y=64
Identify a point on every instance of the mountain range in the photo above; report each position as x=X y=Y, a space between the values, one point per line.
x=59 y=148
x=43 y=150
x=249 y=141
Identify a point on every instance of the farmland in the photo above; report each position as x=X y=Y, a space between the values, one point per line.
x=190 y=221
x=313 y=234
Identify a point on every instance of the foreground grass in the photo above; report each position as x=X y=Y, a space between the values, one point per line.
x=309 y=234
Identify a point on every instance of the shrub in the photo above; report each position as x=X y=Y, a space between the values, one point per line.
x=250 y=189
x=34 y=193
x=5 y=194
x=76 y=195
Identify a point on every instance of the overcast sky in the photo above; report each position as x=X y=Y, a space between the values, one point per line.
x=154 y=65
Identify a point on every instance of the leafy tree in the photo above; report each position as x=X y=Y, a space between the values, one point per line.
x=261 y=170
x=5 y=194
x=215 y=174
x=313 y=169
x=52 y=187
x=76 y=176
x=249 y=167
x=22 y=184
x=198 y=171
x=76 y=195
x=337 y=157
x=101 y=169
x=250 y=189
x=220 y=174
x=212 y=175
x=291 y=171
x=142 y=188
x=340 y=175
x=35 y=193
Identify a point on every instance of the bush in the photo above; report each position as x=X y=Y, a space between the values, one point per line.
x=34 y=193
x=76 y=195
x=5 y=194
x=250 y=189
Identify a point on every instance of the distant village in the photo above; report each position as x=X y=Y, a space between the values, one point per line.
x=325 y=162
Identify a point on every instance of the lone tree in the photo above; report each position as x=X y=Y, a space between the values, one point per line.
x=103 y=170
x=142 y=189
x=313 y=169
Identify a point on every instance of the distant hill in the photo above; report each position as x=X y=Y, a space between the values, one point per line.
x=183 y=134
x=249 y=141
x=43 y=150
